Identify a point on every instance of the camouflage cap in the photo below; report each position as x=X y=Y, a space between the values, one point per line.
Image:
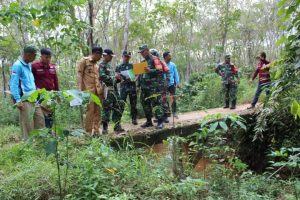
x=108 y=52
x=30 y=49
x=154 y=52
x=227 y=56
x=143 y=48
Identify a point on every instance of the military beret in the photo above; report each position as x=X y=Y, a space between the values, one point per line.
x=30 y=49
x=97 y=50
x=143 y=48
x=46 y=51
x=108 y=52
x=126 y=53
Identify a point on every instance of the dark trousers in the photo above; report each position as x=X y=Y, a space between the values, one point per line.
x=172 y=91
x=48 y=120
x=132 y=99
x=260 y=88
x=149 y=101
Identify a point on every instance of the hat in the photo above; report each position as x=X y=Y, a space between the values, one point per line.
x=108 y=52
x=165 y=54
x=97 y=50
x=143 y=48
x=126 y=53
x=154 y=52
x=227 y=56
x=46 y=51
x=30 y=49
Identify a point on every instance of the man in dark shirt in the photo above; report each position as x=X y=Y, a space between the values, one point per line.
x=262 y=70
x=45 y=76
x=128 y=85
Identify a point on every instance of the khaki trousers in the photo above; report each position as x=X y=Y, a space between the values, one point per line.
x=31 y=117
x=92 y=119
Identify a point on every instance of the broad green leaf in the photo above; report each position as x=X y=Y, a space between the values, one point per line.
x=213 y=127
x=223 y=125
x=50 y=147
x=95 y=99
x=281 y=3
x=242 y=125
x=36 y=22
x=294 y=108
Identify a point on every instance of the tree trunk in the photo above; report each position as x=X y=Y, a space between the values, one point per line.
x=3 y=77
x=225 y=31
x=91 y=21
x=126 y=29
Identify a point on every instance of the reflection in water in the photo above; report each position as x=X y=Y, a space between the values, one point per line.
x=202 y=165
x=164 y=149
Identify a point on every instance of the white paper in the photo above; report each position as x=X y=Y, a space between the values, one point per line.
x=76 y=102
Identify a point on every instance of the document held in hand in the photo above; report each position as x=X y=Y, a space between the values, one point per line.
x=128 y=74
x=139 y=68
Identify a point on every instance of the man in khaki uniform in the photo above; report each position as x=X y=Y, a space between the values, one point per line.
x=22 y=83
x=88 y=80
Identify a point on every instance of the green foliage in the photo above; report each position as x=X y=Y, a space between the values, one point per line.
x=204 y=91
x=275 y=117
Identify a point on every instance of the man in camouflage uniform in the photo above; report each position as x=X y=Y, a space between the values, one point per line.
x=128 y=86
x=230 y=79
x=150 y=92
x=88 y=80
x=112 y=101
x=164 y=77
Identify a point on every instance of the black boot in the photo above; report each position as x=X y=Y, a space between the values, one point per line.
x=148 y=123
x=105 y=128
x=118 y=129
x=134 y=122
x=160 y=124
x=166 y=120
x=233 y=105
x=226 y=104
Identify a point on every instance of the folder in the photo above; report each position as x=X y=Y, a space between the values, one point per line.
x=139 y=68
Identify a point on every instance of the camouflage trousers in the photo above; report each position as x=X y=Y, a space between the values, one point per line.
x=130 y=90
x=112 y=104
x=230 y=91
x=152 y=100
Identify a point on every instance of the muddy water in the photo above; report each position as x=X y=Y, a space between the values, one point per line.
x=164 y=149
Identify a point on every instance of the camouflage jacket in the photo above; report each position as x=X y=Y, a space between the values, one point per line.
x=126 y=84
x=107 y=75
x=228 y=72
x=150 y=80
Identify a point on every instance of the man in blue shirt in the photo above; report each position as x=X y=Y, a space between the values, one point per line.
x=22 y=82
x=174 y=80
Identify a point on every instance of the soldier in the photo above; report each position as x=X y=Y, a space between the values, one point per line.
x=164 y=78
x=128 y=85
x=22 y=82
x=150 y=92
x=45 y=76
x=88 y=79
x=230 y=79
x=112 y=101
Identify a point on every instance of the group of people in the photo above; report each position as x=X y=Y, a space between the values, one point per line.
x=96 y=75
x=112 y=86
